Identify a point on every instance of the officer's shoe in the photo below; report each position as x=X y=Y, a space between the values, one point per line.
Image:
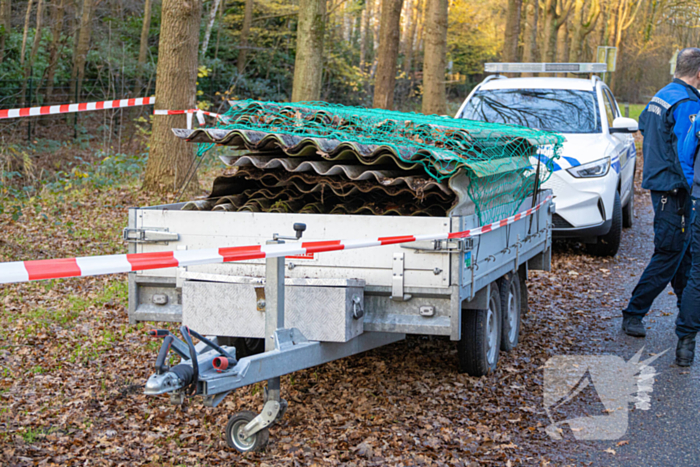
x=633 y=326
x=685 y=350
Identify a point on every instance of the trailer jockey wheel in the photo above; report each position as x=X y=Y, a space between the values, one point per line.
x=236 y=440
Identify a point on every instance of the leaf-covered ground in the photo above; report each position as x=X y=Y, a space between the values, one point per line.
x=72 y=370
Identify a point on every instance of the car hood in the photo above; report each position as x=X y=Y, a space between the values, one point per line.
x=579 y=149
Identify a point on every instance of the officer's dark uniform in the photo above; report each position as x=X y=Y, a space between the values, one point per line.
x=665 y=123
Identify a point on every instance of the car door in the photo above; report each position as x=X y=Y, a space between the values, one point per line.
x=623 y=153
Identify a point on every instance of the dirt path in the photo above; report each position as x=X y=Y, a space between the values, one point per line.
x=666 y=433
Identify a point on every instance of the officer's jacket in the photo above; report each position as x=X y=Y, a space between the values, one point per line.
x=665 y=123
x=689 y=151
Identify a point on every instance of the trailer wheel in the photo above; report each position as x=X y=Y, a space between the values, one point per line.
x=511 y=297
x=481 y=337
x=524 y=298
x=256 y=442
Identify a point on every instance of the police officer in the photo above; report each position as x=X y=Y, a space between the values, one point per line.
x=688 y=321
x=665 y=123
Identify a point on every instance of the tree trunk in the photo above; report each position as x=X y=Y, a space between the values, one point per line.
x=171 y=158
x=146 y=26
x=27 y=17
x=434 y=101
x=245 y=32
x=563 y=44
x=553 y=19
x=512 y=32
x=365 y=36
x=387 y=55
x=54 y=47
x=35 y=48
x=82 y=48
x=5 y=24
x=411 y=38
x=218 y=31
x=582 y=27
x=550 y=30
x=210 y=26
x=308 y=64
x=407 y=13
x=530 y=46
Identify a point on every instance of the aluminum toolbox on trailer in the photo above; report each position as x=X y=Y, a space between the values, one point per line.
x=413 y=288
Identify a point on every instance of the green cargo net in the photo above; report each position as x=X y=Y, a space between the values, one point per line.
x=501 y=162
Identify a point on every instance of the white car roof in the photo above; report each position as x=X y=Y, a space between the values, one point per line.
x=539 y=83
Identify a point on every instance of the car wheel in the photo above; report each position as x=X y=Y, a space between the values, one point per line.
x=628 y=212
x=608 y=244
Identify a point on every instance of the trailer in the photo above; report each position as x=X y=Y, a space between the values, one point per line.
x=436 y=270
x=306 y=311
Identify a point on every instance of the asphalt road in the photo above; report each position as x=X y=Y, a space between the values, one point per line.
x=668 y=433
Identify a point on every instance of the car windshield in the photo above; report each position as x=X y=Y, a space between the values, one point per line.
x=560 y=110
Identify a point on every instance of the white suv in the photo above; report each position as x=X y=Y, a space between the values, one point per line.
x=593 y=180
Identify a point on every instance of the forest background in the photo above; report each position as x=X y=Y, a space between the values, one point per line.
x=58 y=51
x=62 y=51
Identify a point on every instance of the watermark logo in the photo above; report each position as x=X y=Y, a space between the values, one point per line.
x=591 y=394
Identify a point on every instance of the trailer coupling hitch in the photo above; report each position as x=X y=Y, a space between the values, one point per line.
x=185 y=375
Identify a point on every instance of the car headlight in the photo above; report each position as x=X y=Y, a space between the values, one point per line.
x=597 y=168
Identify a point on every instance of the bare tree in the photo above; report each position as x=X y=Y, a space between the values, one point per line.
x=387 y=55
x=308 y=64
x=82 y=47
x=210 y=25
x=626 y=13
x=245 y=32
x=434 y=101
x=555 y=14
x=584 y=24
x=145 y=27
x=5 y=24
x=411 y=36
x=365 y=34
x=512 y=31
x=563 y=44
x=35 y=47
x=530 y=35
x=170 y=159
x=54 y=46
x=27 y=17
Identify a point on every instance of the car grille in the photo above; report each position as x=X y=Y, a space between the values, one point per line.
x=559 y=222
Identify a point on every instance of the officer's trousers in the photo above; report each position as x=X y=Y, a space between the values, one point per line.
x=671 y=259
x=688 y=321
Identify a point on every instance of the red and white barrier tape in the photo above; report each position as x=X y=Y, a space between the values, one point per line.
x=23 y=271
x=198 y=112
x=70 y=108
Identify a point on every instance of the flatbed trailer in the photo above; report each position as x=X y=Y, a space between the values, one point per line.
x=306 y=310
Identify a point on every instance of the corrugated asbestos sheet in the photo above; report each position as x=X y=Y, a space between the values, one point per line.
x=286 y=173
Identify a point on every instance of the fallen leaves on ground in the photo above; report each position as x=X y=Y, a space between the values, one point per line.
x=73 y=369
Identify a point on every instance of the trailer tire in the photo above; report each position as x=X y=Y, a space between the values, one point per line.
x=524 y=296
x=481 y=336
x=511 y=310
x=257 y=442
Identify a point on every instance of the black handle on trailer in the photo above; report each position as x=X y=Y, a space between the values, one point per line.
x=192 y=387
x=161 y=367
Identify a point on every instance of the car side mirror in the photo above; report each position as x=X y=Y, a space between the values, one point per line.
x=624 y=125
